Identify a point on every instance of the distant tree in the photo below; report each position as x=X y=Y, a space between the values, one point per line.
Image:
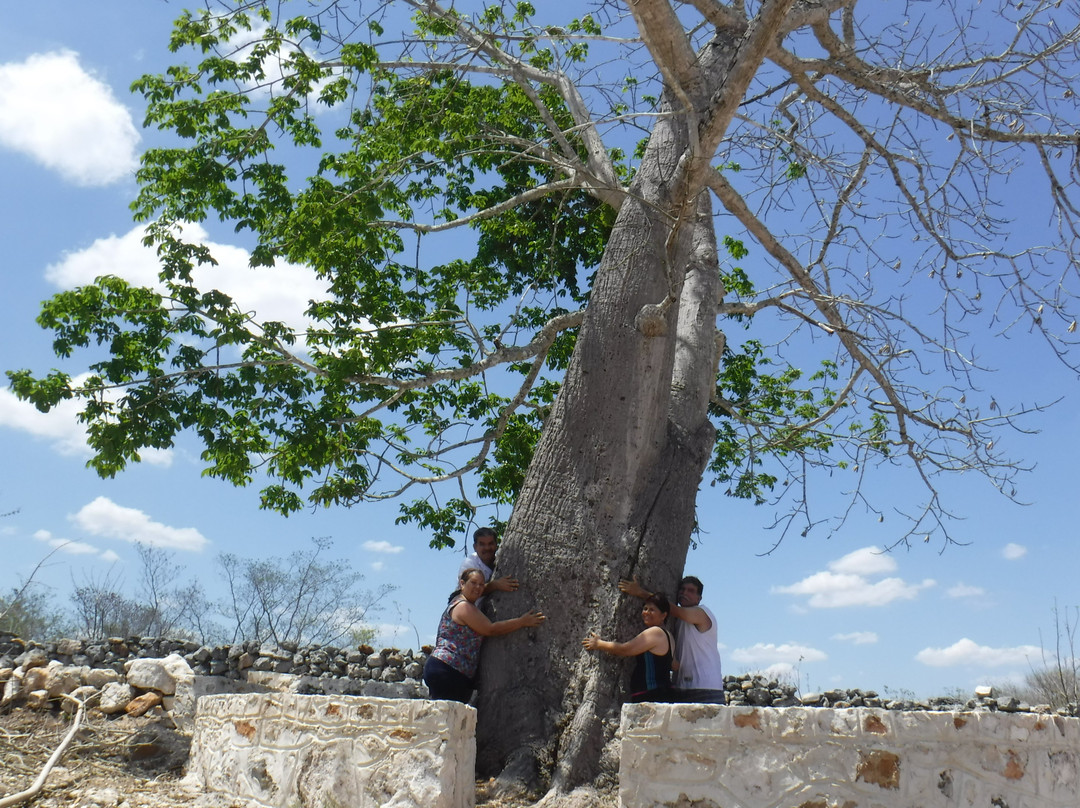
x=830 y=182
x=363 y=635
x=1057 y=681
x=29 y=612
x=101 y=610
x=302 y=598
x=196 y=613
x=158 y=573
x=171 y=606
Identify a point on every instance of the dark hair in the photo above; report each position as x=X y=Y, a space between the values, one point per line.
x=690 y=579
x=484 y=531
x=462 y=579
x=469 y=571
x=660 y=601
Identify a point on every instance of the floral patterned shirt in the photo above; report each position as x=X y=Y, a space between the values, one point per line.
x=456 y=645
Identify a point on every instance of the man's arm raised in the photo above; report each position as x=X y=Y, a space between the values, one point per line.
x=634 y=588
x=694 y=615
x=504 y=584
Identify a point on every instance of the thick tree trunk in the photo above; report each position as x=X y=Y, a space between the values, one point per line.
x=611 y=489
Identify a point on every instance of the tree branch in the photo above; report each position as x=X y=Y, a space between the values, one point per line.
x=54 y=758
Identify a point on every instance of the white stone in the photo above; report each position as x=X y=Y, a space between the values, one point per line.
x=759 y=757
x=183 y=706
x=13 y=686
x=81 y=693
x=36 y=677
x=157 y=674
x=99 y=677
x=292 y=751
x=62 y=679
x=115 y=696
x=268 y=680
x=32 y=658
x=37 y=699
x=68 y=647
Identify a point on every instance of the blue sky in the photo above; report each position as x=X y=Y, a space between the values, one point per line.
x=828 y=609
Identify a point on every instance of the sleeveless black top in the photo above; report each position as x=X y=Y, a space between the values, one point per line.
x=651 y=678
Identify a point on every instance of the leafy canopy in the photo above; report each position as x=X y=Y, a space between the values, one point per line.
x=419 y=364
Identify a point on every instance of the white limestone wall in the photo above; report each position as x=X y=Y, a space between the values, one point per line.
x=293 y=751
x=191 y=689
x=709 y=756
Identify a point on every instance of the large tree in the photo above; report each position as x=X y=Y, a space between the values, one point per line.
x=831 y=182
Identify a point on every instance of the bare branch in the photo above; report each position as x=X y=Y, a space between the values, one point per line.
x=38 y=784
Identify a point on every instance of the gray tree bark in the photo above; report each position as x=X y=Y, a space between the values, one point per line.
x=612 y=486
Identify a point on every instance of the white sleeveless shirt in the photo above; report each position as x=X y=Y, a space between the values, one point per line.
x=699 y=658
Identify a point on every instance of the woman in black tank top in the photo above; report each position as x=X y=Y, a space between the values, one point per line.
x=653 y=650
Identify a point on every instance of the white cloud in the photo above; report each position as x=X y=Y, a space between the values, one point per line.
x=103 y=517
x=857 y=637
x=864 y=561
x=66 y=119
x=827 y=590
x=770 y=653
x=66 y=545
x=61 y=426
x=378 y=566
x=967 y=652
x=274 y=293
x=846 y=582
x=279 y=293
x=382 y=547
x=962 y=590
x=157 y=457
x=1013 y=551
x=110 y=556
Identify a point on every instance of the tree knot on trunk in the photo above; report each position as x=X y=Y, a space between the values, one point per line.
x=650 y=320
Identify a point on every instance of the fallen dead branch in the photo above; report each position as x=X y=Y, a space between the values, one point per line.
x=54 y=758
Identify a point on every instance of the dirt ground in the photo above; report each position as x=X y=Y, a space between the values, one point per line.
x=117 y=763
x=122 y=763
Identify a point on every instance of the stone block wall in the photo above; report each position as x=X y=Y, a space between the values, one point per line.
x=358 y=664
x=164 y=677
x=308 y=751
x=710 y=756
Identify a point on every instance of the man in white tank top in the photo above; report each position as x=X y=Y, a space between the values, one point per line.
x=698 y=678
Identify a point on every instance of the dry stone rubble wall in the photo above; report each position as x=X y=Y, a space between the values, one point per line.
x=137 y=676
x=389 y=673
